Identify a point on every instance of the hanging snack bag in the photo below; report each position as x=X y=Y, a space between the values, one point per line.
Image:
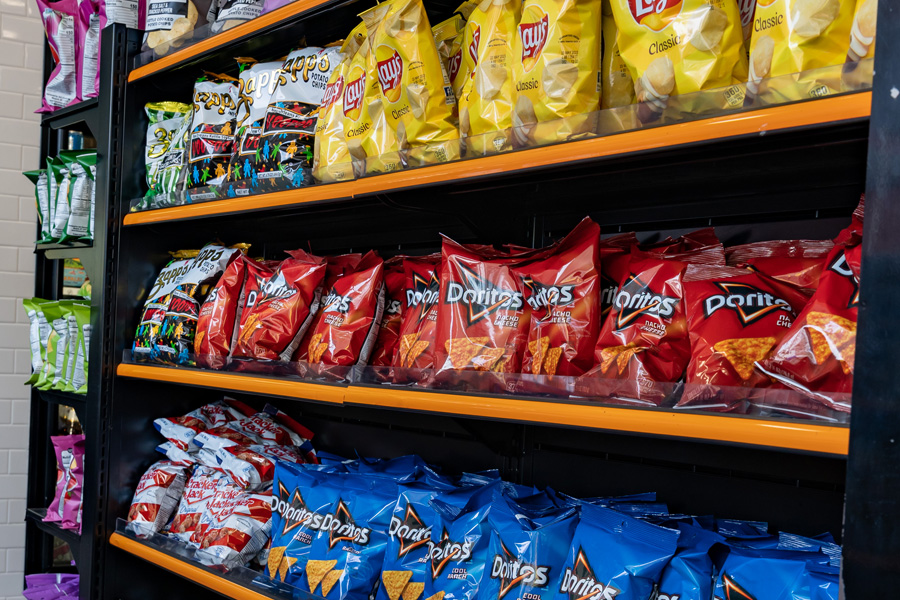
x=563 y=291
x=164 y=154
x=796 y=262
x=556 y=68
x=82 y=356
x=286 y=142
x=49 y=345
x=69 y=451
x=231 y=13
x=257 y=274
x=331 y=158
x=257 y=84
x=389 y=329
x=680 y=47
x=215 y=323
x=211 y=136
x=415 y=349
x=414 y=87
x=79 y=198
x=169 y=25
x=198 y=491
x=66 y=330
x=41 y=200
x=448 y=37
x=274 y=326
x=63 y=196
x=486 y=101
x=156 y=496
x=59 y=20
x=74 y=339
x=156 y=303
x=91 y=19
x=73 y=498
x=38 y=331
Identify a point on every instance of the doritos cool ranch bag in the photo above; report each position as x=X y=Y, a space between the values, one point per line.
x=211 y=137
x=556 y=67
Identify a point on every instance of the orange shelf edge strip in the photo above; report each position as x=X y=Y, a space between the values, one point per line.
x=825 y=110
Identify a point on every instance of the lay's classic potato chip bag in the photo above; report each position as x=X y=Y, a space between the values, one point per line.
x=331 y=159
x=556 y=67
x=791 y=36
x=858 y=69
x=677 y=47
x=415 y=89
x=378 y=145
x=486 y=103
x=448 y=36
x=617 y=86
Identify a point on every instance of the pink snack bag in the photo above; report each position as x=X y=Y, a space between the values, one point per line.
x=72 y=501
x=91 y=19
x=60 y=24
x=69 y=456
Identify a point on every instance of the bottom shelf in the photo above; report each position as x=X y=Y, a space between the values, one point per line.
x=36 y=516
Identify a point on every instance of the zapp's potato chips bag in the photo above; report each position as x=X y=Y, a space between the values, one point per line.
x=257 y=84
x=791 y=36
x=331 y=158
x=486 y=101
x=677 y=47
x=448 y=37
x=415 y=89
x=556 y=67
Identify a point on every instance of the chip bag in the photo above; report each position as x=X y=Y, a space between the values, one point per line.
x=372 y=141
x=164 y=153
x=415 y=89
x=257 y=275
x=170 y=25
x=680 y=47
x=415 y=349
x=858 y=69
x=556 y=68
x=69 y=451
x=231 y=13
x=198 y=491
x=448 y=37
x=59 y=20
x=217 y=316
x=41 y=200
x=617 y=86
x=181 y=430
x=217 y=510
x=156 y=303
x=796 y=262
x=388 y=340
x=38 y=332
x=91 y=19
x=614 y=260
x=211 y=135
x=284 y=310
x=770 y=574
x=156 y=496
x=488 y=95
x=241 y=535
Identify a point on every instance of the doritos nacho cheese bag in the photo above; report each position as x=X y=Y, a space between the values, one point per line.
x=211 y=137
x=735 y=317
x=677 y=47
x=283 y=311
x=448 y=37
x=482 y=321
x=215 y=323
x=415 y=349
x=563 y=291
x=389 y=330
x=690 y=572
x=331 y=157
x=415 y=90
x=796 y=262
x=556 y=69
x=486 y=102
x=257 y=84
x=256 y=277
x=795 y=36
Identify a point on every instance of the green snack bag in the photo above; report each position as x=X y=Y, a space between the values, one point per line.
x=38 y=331
x=71 y=351
x=85 y=290
x=62 y=348
x=164 y=154
x=80 y=375
x=55 y=169
x=92 y=173
x=53 y=314
x=78 y=225
x=64 y=195
x=41 y=200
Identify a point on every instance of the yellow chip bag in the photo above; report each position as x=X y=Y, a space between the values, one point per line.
x=677 y=47
x=415 y=89
x=331 y=159
x=858 y=68
x=465 y=9
x=617 y=86
x=486 y=102
x=556 y=68
x=792 y=36
x=448 y=36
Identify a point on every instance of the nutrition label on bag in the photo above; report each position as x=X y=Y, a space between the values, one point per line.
x=91 y=58
x=122 y=11
x=60 y=90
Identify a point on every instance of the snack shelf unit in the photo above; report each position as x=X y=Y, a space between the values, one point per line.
x=98 y=119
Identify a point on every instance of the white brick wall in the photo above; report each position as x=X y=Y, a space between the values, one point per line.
x=21 y=51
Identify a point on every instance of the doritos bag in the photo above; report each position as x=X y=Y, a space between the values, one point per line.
x=694 y=240
x=212 y=130
x=563 y=291
x=796 y=262
x=277 y=322
x=388 y=340
x=415 y=89
x=690 y=572
x=156 y=303
x=679 y=47
x=286 y=142
x=216 y=320
x=257 y=275
x=417 y=327
x=734 y=317
x=769 y=574
x=519 y=537
x=482 y=321
x=556 y=69
x=614 y=260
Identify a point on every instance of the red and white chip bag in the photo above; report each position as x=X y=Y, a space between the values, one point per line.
x=795 y=262
x=156 y=496
x=215 y=325
x=415 y=348
x=346 y=326
x=181 y=430
x=198 y=491
x=176 y=454
x=735 y=317
x=217 y=509
x=271 y=427
x=241 y=535
x=389 y=330
x=252 y=467
x=563 y=291
x=279 y=319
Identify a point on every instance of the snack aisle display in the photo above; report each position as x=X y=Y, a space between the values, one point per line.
x=489 y=246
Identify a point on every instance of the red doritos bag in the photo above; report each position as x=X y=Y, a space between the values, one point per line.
x=335 y=266
x=287 y=302
x=614 y=259
x=735 y=317
x=215 y=325
x=563 y=291
x=256 y=275
x=795 y=262
x=415 y=349
x=695 y=240
x=816 y=356
x=482 y=322
x=643 y=344
x=346 y=326
x=389 y=331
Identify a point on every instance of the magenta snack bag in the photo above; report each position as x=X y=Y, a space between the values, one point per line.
x=59 y=19
x=65 y=448
x=72 y=499
x=91 y=19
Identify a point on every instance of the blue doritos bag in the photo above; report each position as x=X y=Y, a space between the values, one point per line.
x=409 y=534
x=640 y=509
x=824 y=581
x=689 y=575
x=526 y=551
x=750 y=574
x=479 y=478
x=822 y=543
x=403 y=468
x=460 y=534
x=734 y=528
x=613 y=555
x=607 y=500
x=345 y=558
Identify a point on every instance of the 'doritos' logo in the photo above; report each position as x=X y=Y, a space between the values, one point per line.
x=354 y=92
x=533 y=32
x=390 y=71
x=655 y=15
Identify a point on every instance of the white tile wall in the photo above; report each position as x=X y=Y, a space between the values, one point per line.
x=21 y=50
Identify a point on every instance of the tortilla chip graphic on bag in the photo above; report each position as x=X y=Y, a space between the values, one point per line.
x=436 y=596
x=538 y=349
x=487 y=359
x=742 y=353
x=463 y=350
x=332 y=578
x=273 y=563
x=552 y=360
x=615 y=354
x=414 y=353
x=394 y=582
x=413 y=590
x=832 y=335
x=286 y=563
x=406 y=344
x=316 y=570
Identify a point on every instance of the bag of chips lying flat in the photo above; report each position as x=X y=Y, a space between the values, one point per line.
x=59 y=20
x=211 y=135
x=231 y=13
x=164 y=153
x=156 y=496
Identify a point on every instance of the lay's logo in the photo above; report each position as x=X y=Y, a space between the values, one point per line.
x=333 y=91
x=390 y=71
x=533 y=36
x=353 y=93
x=655 y=15
x=454 y=64
x=473 y=45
